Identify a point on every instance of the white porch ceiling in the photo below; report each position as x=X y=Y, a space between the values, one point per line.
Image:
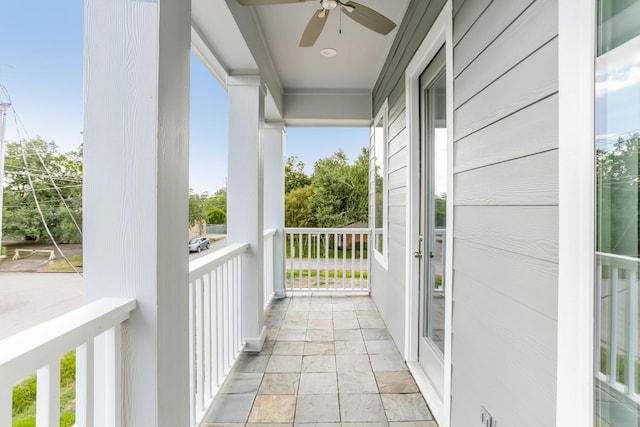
x=234 y=39
x=361 y=52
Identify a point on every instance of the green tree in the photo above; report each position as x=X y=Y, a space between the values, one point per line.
x=216 y=207
x=340 y=195
x=617 y=177
x=357 y=203
x=297 y=209
x=216 y=216
x=56 y=181
x=441 y=210
x=294 y=176
x=197 y=211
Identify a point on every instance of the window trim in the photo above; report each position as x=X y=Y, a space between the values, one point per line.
x=383 y=114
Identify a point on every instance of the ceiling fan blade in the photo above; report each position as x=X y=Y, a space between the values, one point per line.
x=268 y=2
x=314 y=28
x=368 y=17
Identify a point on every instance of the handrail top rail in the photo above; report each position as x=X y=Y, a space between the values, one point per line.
x=327 y=230
x=270 y=232
x=215 y=259
x=618 y=257
x=26 y=351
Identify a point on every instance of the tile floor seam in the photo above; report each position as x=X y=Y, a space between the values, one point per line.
x=380 y=344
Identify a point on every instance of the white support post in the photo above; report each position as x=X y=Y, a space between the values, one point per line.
x=245 y=198
x=274 y=161
x=136 y=144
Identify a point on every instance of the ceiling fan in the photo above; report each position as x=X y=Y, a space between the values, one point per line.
x=361 y=14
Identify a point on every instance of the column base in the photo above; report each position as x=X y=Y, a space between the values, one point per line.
x=255 y=344
x=279 y=294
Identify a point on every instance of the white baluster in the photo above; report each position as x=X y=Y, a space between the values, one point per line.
x=85 y=385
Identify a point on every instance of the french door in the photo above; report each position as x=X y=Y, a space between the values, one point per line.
x=617 y=130
x=432 y=206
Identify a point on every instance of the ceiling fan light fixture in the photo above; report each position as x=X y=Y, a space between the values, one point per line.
x=328 y=52
x=329 y=4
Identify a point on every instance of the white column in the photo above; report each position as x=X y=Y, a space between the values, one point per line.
x=136 y=147
x=245 y=199
x=274 y=158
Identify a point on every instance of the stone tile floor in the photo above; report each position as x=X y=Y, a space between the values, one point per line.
x=328 y=361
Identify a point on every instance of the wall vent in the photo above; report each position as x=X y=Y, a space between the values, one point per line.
x=487 y=418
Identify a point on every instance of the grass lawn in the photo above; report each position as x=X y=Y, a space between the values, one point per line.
x=24 y=396
x=61 y=265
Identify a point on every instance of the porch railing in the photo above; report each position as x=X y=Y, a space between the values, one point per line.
x=617 y=296
x=215 y=323
x=40 y=349
x=327 y=259
x=268 y=265
x=440 y=250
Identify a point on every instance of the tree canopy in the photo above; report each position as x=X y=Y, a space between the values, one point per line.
x=204 y=208
x=335 y=195
x=618 y=171
x=56 y=181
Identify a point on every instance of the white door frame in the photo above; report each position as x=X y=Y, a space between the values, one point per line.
x=576 y=59
x=441 y=33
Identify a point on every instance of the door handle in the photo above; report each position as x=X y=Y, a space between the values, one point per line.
x=431 y=254
x=418 y=253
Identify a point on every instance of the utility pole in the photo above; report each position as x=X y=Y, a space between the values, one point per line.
x=4 y=107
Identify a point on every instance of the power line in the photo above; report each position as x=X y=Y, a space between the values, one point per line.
x=44 y=223
x=29 y=178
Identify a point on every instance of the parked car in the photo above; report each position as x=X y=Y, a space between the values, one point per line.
x=198 y=243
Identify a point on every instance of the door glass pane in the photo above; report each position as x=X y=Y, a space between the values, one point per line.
x=437 y=129
x=379 y=173
x=617 y=103
x=617 y=23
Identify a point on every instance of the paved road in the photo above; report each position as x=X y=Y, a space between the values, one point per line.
x=214 y=247
x=27 y=299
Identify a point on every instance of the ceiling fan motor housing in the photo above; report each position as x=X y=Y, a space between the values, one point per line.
x=329 y=4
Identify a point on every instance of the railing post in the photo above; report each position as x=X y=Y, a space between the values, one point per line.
x=6 y=398
x=598 y=314
x=85 y=384
x=192 y=352
x=613 y=330
x=48 y=395
x=113 y=376
x=199 y=349
x=632 y=331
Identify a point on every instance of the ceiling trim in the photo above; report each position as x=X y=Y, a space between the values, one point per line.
x=249 y=25
x=208 y=55
x=327 y=107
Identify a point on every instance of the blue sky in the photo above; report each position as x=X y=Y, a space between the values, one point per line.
x=41 y=67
